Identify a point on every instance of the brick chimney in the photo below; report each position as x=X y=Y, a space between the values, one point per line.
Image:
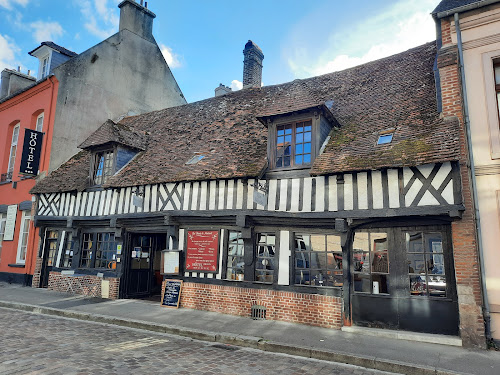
x=136 y=18
x=252 y=65
x=14 y=81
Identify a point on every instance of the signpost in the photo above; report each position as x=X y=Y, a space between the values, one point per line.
x=32 y=147
x=202 y=251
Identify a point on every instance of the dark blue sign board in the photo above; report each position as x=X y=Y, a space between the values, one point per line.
x=171 y=293
x=32 y=147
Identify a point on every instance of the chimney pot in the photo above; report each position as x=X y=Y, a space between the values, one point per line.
x=252 y=65
x=19 y=68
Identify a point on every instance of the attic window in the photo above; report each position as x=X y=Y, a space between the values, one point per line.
x=103 y=167
x=384 y=138
x=195 y=159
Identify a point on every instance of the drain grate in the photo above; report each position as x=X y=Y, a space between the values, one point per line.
x=258 y=312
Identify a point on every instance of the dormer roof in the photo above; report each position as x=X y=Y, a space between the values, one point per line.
x=53 y=46
x=113 y=133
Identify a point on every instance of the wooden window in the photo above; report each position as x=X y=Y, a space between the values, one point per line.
x=39 y=122
x=23 y=237
x=13 y=151
x=264 y=257
x=52 y=242
x=67 y=255
x=44 y=67
x=103 y=167
x=3 y=220
x=426 y=267
x=293 y=146
x=370 y=258
x=98 y=250
x=235 y=257
x=318 y=260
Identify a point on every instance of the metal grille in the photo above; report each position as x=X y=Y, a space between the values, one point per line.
x=258 y=312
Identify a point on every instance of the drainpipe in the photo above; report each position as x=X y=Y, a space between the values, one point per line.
x=486 y=308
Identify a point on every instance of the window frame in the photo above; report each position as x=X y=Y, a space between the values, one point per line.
x=25 y=220
x=45 y=73
x=255 y=257
x=94 y=164
x=13 y=155
x=338 y=273
x=490 y=59
x=3 y=221
x=241 y=258
x=315 y=119
x=40 y=116
x=94 y=237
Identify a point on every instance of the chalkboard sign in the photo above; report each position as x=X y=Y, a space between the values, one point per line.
x=171 y=293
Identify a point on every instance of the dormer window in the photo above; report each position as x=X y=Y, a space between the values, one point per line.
x=293 y=144
x=103 y=166
x=44 y=67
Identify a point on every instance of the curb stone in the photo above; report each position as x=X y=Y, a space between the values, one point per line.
x=238 y=340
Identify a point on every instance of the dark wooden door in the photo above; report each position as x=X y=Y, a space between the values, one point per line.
x=141 y=277
x=49 y=256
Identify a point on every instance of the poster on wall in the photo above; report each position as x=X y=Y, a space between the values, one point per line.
x=10 y=223
x=202 y=250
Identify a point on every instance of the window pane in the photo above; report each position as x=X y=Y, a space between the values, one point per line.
x=414 y=242
x=497 y=74
x=362 y=283
x=416 y=263
x=436 y=286
x=435 y=264
x=418 y=286
x=380 y=262
x=380 y=284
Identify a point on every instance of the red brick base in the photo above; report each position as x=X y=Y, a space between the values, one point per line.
x=310 y=309
x=35 y=283
x=87 y=285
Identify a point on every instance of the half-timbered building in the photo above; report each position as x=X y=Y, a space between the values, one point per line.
x=333 y=201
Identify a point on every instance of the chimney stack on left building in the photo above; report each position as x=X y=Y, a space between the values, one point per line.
x=136 y=18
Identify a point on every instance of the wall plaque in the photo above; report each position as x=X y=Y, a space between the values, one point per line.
x=10 y=223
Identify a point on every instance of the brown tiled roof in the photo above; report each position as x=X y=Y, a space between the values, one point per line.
x=395 y=92
x=110 y=132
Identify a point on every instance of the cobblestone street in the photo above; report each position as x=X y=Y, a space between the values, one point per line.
x=39 y=344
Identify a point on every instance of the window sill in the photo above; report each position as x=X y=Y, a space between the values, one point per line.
x=289 y=172
x=17 y=265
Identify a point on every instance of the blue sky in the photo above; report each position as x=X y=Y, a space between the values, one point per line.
x=203 y=40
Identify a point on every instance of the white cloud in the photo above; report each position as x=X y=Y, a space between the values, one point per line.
x=8 y=52
x=404 y=25
x=101 y=17
x=43 y=31
x=236 y=85
x=173 y=60
x=10 y=4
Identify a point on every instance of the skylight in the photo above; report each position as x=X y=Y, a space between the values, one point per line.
x=195 y=159
x=384 y=139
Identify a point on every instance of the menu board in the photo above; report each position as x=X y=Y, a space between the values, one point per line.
x=202 y=250
x=171 y=293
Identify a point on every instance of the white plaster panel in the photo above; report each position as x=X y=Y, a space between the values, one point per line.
x=348 y=192
x=407 y=175
x=428 y=200
x=441 y=175
x=194 y=199
x=222 y=191
x=95 y=203
x=128 y=193
x=114 y=202
x=378 y=193
x=203 y=195
x=154 y=198
x=72 y=205
x=295 y=195
x=230 y=194
x=393 y=185
x=426 y=169
x=239 y=196
x=306 y=196
x=363 y=190
x=90 y=202
x=412 y=193
x=82 y=204
x=147 y=197
x=283 y=194
x=284 y=258
x=250 y=190
x=175 y=197
x=320 y=194
x=107 y=204
x=447 y=193
x=213 y=192
x=185 y=200
x=332 y=194
x=271 y=203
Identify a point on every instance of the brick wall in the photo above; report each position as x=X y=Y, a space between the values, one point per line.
x=87 y=285
x=310 y=309
x=465 y=250
x=37 y=273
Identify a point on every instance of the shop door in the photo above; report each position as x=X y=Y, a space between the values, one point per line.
x=142 y=275
x=403 y=278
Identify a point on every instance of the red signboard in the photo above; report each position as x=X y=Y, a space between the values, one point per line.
x=202 y=250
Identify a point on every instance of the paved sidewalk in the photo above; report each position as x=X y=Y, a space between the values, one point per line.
x=381 y=353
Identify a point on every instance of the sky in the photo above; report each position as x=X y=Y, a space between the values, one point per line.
x=203 y=40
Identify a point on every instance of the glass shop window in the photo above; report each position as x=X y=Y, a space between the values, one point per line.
x=318 y=260
x=235 y=257
x=52 y=237
x=67 y=255
x=264 y=262
x=426 y=264
x=98 y=250
x=371 y=263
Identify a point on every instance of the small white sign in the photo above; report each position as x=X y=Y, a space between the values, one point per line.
x=10 y=224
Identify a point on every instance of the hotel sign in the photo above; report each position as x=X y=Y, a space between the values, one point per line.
x=30 y=159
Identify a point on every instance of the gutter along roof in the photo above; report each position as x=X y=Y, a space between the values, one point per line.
x=396 y=92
